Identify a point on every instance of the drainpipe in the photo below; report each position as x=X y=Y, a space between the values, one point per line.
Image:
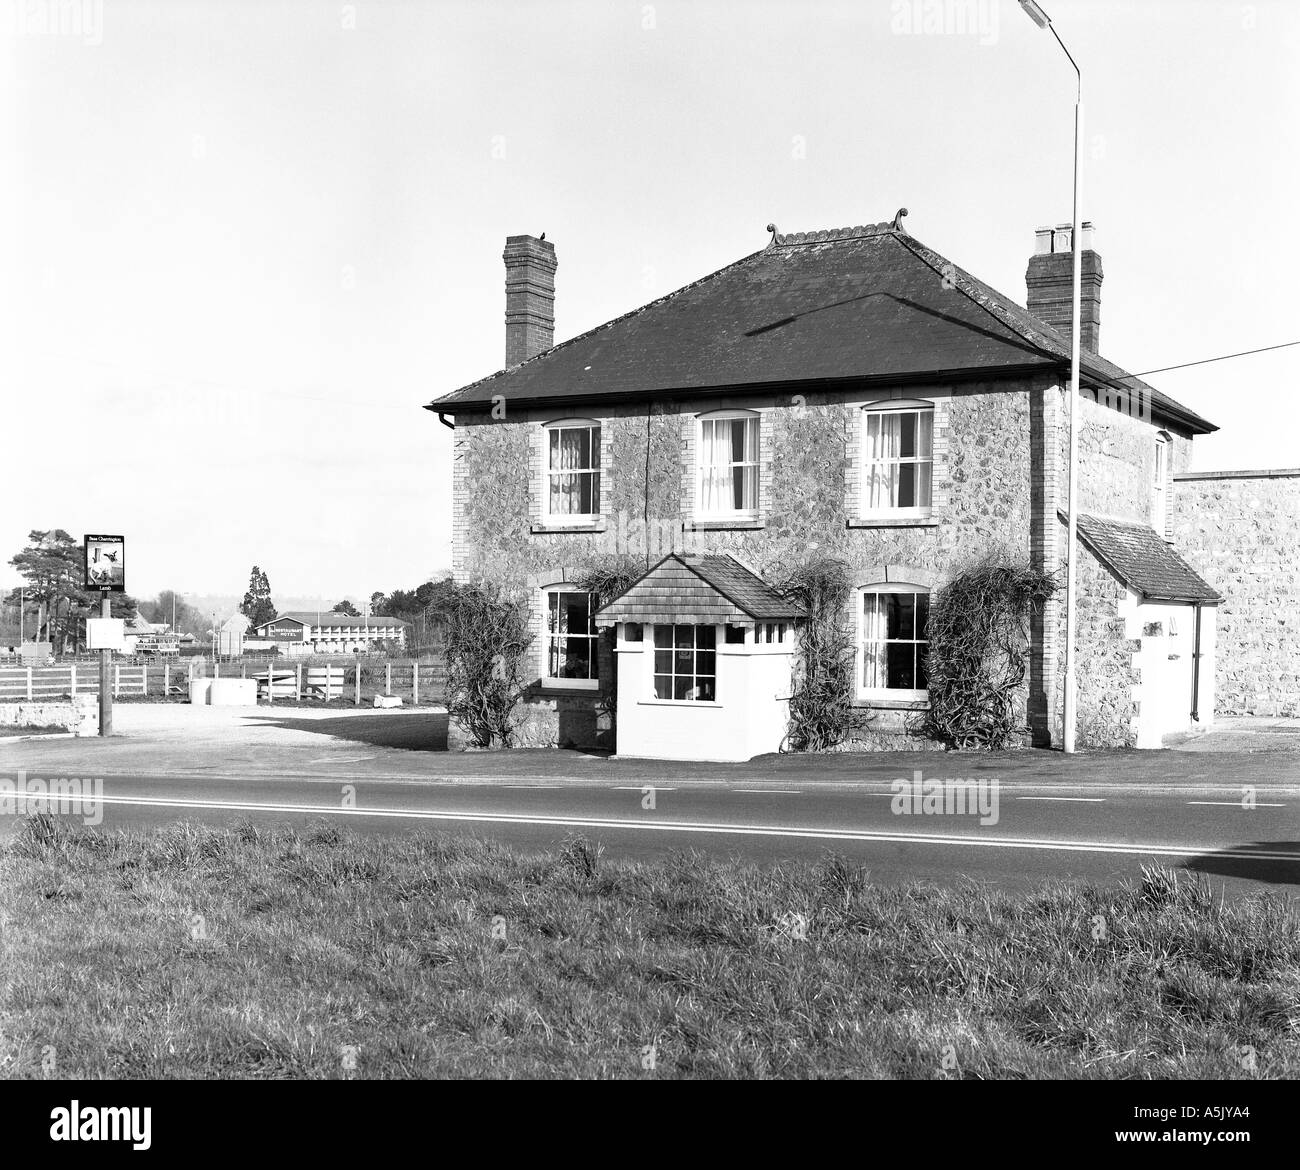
x=442 y=418
x=1196 y=666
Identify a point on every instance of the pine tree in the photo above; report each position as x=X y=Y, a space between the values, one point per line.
x=257 y=605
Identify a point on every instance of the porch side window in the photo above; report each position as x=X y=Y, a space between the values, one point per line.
x=897 y=458
x=1160 y=488
x=570 y=636
x=728 y=463
x=686 y=663
x=893 y=641
x=573 y=470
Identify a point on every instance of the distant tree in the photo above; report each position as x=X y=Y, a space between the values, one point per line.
x=256 y=606
x=187 y=620
x=378 y=603
x=347 y=609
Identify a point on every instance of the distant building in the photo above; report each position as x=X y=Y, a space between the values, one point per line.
x=330 y=633
x=230 y=635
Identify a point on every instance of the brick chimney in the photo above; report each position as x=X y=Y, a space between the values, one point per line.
x=530 y=297
x=1048 y=282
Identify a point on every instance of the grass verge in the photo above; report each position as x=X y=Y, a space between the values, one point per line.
x=252 y=952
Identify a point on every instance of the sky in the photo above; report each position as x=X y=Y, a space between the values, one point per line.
x=241 y=243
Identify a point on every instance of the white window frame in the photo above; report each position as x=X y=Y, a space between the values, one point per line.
x=919 y=407
x=563 y=519
x=1160 y=483
x=914 y=695
x=716 y=416
x=557 y=681
x=653 y=647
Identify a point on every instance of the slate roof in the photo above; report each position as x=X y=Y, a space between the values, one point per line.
x=870 y=303
x=1144 y=561
x=745 y=590
x=685 y=588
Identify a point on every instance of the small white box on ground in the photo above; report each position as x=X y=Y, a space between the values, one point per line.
x=233 y=692
x=388 y=700
x=106 y=633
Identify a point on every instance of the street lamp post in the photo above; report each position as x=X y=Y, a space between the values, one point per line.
x=1040 y=18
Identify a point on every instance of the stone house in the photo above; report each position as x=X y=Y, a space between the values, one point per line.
x=849 y=394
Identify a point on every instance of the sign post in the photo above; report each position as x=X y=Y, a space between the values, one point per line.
x=105 y=686
x=105 y=571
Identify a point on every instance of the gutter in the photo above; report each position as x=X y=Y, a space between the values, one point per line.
x=1196 y=668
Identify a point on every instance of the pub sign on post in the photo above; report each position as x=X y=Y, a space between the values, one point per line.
x=106 y=563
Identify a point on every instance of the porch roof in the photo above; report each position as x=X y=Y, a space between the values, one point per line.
x=1144 y=561
x=688 y=589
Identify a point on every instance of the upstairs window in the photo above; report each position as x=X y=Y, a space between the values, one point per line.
x=686 y=663
x=570 y=637
x=897 y=458
x=728 y=464
x=573 y=470
x=893 y=641
x=1160 y=487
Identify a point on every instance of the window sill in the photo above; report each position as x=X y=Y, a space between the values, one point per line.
x=723 y=525
x=892 y=704
x=893 y=522
x=569 y=687
x=545 y=528
x=687 y=703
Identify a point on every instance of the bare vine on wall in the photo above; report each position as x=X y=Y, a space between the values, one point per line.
x=822 y=714
x=978 y=632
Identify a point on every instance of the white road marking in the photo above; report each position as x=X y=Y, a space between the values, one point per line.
x=640 y=787
x=1237 y=804
x=1075 y=799
x=765 y=791
x=530 y=787
x=721 y=828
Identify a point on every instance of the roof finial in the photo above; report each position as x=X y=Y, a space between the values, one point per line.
x=898 y=220
x=776 y=235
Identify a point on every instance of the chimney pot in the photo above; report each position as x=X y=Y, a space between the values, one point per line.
x=530 y=297
x=1050 y=296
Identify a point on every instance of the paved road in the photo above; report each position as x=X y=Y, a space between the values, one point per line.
x=1040 y=832
x=1096 y=816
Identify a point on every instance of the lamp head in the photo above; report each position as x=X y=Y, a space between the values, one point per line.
x=1035 y=13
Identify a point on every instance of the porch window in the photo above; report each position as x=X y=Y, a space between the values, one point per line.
x=686 y=663
x=893 y=641
x=728 y=464
x=573 y=470
x=898 y=459
x=571 y=638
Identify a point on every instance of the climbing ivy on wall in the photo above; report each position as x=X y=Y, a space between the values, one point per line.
x=822 y=715
x=979 y=651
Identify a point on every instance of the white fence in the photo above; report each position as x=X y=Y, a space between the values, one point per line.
x=54 y=682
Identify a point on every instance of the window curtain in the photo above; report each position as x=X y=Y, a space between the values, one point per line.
x=884 y=444
x=573 y=493
x=724 y=487
x=873 y=640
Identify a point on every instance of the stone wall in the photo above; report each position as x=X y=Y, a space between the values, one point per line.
x=79 y=714
x=1241 y=532
x=1105 y=671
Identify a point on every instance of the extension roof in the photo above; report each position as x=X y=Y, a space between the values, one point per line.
x=864 y=304
x=684 y=588
x=1144 y=561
